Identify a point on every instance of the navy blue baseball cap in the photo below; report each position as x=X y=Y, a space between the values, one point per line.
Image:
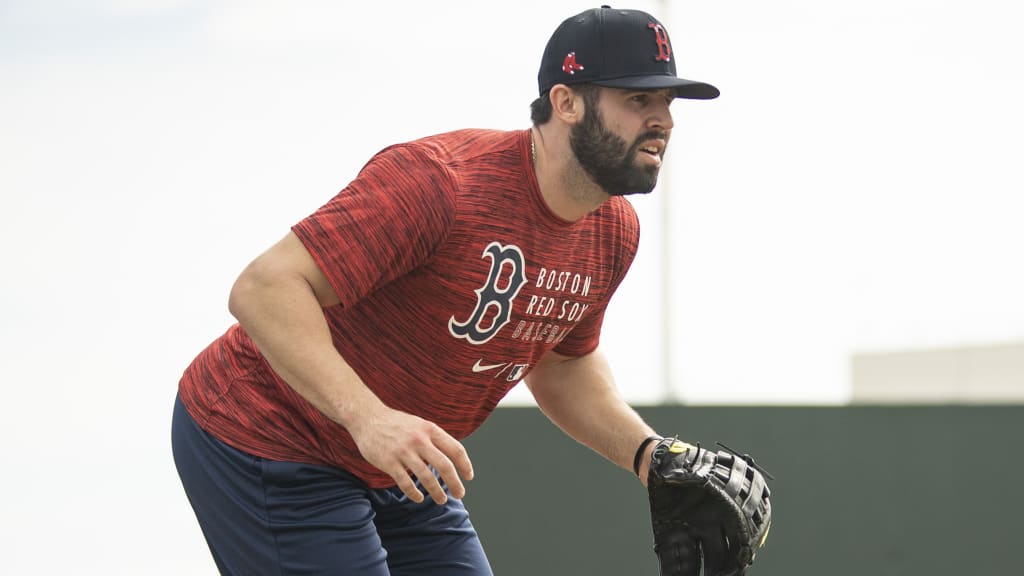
x=616 y=48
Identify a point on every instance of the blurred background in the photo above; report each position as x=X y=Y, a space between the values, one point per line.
x=839 y=231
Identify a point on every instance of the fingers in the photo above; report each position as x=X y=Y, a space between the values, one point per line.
x=424 y=453
x=456 y=456
x=449 y=458
x=407 y=485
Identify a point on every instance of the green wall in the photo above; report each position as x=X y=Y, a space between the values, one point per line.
x=863 y=490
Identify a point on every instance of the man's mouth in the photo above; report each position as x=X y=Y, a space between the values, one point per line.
x=652 y=145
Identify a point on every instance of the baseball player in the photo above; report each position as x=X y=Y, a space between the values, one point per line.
x=321 y=433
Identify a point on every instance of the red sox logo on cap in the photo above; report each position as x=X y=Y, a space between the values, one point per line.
x=569 y=65
x=661 y=37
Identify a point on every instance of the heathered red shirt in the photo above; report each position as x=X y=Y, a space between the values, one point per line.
x=454 y=279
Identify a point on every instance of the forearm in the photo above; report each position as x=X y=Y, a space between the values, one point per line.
x=282 y=315
x=580 y=397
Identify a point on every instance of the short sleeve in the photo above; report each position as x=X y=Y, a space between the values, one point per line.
x=386 y=222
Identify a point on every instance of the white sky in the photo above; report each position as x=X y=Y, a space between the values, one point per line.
x=857 y=187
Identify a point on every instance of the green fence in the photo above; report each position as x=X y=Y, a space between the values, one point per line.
x=863 y=490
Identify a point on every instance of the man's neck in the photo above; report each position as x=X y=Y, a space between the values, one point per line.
x=568 y=190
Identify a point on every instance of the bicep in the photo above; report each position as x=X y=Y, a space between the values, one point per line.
x=289 y=258
x=544 y=371
x=556 y=374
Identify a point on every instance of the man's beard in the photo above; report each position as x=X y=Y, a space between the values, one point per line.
x=606 y=158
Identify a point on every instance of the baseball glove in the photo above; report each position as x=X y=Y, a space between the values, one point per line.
x=707 y=508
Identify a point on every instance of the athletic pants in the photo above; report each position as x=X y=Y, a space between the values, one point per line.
x=263 y=517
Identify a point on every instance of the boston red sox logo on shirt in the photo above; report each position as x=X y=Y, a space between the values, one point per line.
x=557 y=301
x=494 y=298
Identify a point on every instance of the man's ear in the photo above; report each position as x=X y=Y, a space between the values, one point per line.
x=567 y=104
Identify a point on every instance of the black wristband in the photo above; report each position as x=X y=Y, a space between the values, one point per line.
x=640 y=452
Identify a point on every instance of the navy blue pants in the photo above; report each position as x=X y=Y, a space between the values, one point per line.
x=263 y=517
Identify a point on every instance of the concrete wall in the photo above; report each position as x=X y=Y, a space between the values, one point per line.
x=922 y=490
x=970 y=374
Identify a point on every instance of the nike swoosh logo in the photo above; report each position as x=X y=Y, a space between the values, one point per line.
x=478 y=367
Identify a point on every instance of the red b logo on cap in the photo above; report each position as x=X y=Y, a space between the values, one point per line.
x=661 y=37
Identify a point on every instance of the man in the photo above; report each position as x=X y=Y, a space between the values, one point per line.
x=320 y=434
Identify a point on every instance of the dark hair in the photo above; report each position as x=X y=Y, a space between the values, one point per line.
x=540 y=109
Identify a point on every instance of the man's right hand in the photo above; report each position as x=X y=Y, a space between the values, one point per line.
x=405 y=447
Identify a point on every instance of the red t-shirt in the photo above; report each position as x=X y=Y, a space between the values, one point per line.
x=454 y=279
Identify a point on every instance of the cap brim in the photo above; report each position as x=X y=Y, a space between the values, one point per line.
x=684 y=88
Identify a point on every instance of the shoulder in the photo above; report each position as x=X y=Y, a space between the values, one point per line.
x=471 y=144
x=436 y=171
x=617 y=227
x=619 y=216
x=419 y=165
x=410 y=181
x=449 y=152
